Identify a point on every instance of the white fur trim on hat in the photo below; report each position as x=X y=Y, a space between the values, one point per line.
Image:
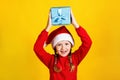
x=61 y=37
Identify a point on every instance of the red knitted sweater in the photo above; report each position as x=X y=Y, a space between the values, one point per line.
x=63 y=62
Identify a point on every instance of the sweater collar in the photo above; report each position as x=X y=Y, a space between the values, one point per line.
x=63 y=58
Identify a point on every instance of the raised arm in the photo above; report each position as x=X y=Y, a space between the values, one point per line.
x=81 y=52
x=39 y=45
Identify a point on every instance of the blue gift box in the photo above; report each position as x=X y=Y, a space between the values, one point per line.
x=60 y=15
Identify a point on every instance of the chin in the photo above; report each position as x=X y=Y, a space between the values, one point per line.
x=64 y=55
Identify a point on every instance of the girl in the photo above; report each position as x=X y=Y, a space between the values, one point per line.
x=63 y=64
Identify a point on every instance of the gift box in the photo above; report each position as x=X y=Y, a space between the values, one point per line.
x=60 y=15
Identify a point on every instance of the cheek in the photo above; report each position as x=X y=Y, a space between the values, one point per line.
x=69 y=47
x=58 y=48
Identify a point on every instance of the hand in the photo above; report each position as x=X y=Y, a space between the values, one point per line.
x=49 y=24
x=74 y=23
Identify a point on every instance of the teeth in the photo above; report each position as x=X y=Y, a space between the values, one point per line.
x=63 y=51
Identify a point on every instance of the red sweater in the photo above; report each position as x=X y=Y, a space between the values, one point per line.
x=63 y=62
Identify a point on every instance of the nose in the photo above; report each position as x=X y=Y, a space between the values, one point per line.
x=63 y=47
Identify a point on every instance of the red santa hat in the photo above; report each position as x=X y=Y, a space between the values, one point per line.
x=58 y=35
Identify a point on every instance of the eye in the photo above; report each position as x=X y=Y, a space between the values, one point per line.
x=66 y=44
x=59 y=44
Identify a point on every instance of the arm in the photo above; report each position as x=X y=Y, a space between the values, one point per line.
x=84 y=48
x=38 y=47
x=86 y=41
x=39 y=50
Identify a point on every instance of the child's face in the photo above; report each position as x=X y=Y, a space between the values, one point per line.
x=63 y=48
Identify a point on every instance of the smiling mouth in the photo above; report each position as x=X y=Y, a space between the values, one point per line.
x=63 y=52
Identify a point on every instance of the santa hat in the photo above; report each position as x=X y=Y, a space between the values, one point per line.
x=58 y=35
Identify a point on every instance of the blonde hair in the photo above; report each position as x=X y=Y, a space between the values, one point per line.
x=56 y=69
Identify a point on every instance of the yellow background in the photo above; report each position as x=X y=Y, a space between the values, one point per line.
x=21 y=21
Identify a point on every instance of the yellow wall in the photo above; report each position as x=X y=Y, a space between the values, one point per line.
x=21 y=21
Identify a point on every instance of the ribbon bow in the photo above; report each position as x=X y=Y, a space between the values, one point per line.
x=59 y=16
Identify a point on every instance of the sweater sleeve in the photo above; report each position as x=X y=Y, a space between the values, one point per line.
x=39 y=50
x=81 y=52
